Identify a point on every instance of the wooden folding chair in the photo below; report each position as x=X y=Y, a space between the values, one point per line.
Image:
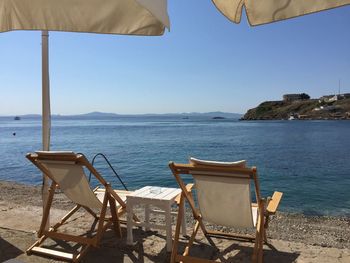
x=224 y=198
x=66 y=170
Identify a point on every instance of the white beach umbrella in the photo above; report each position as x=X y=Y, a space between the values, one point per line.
x=267 y=11
x=127 y=17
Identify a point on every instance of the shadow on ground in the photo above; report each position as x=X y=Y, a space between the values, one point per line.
x=8 y=251
x=149 y=246
x=236 y=252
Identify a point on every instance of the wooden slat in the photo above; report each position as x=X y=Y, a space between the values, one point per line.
x=190 y=242
x=145 y=194
x=274 y=202
x=66 y=217
x=37 y=243
x=229 y=235
x=165 y=194
x=53 y=156
x=190 y=168
x=53 y=253
x=222 y=174
x=141 y=190
x=124 y=192
x=67 y=237
x=83 y=251
x=169 y=194
x=188 y=188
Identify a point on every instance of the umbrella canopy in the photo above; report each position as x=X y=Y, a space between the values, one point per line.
x=129 y=17
x=267 y=11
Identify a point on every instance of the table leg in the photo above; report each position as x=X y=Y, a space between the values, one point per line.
x=130 y=212
x=168 y=227
x=147 y=212
x=184 y=226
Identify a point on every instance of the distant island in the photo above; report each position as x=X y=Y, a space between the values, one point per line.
x=184 y=115
x=302 y=107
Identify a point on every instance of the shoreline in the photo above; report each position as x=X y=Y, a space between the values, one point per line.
x=37 y=189
x=309 y=238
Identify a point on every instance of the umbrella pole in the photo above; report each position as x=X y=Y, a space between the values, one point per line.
x=46 y=112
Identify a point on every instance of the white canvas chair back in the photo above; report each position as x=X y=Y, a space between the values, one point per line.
x=225 y=198
x=72 y=181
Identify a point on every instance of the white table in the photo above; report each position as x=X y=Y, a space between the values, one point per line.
x=160 y=197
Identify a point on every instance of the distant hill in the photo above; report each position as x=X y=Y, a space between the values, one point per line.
x=183 y=114
x=228 y=115
x=314 y=109
x=216 y=114
x=97 y=114
x=31 y=116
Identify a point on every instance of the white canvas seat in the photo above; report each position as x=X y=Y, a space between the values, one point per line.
x=223 y=194
x=217 y=207
x=66 y=170
x=72 y=181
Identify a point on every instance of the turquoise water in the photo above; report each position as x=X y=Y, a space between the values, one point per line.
x=307 y=160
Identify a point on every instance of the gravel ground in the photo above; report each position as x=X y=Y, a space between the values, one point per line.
x=302 y=238
x=324 y=231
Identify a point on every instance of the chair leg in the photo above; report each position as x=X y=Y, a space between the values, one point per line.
x=266 y=225
x=167 y=213
x=115 y=219
x=261 y=232
x=258 y=238
x=46 y=212
x=184 y=223
x=261 y=242
x=177 y=230
x=101 y=220
x=190 y=242
x=256 y=244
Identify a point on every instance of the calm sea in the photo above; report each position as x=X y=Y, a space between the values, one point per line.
x=307 y=160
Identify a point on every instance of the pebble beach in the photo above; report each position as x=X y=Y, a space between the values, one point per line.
x=292 y=237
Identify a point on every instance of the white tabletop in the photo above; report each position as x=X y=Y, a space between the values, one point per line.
x=156 y=193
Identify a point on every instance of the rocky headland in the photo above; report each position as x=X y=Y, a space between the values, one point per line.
x=300 y=106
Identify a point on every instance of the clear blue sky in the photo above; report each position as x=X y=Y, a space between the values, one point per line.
x=205 y=63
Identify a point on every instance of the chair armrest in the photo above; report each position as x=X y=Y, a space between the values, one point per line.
x=274 y=202
x=188 y=189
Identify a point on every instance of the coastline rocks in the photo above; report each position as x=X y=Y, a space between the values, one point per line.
x=311 y=109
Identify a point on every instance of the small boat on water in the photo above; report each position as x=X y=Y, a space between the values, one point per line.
x=17 y=118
